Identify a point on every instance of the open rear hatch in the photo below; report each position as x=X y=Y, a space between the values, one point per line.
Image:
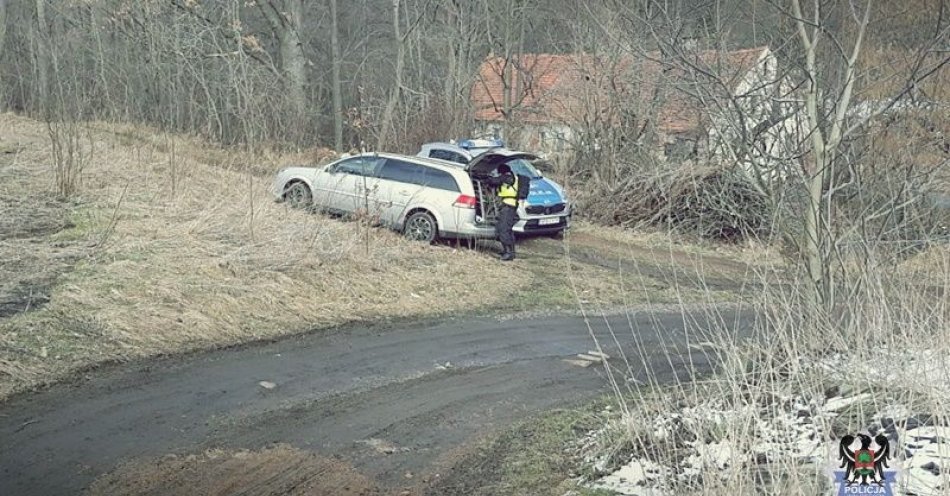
x=483 y=165
x=480 y=168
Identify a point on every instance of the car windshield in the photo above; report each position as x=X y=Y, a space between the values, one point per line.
x=522 y=167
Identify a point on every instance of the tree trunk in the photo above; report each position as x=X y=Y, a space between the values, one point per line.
x=824 y=148
x=95 y=11
x=815 y=180
x=3 y=24
x=815 y=233
x=286 y=20
x=387 y=120
x=507 y=78
x=337 y=90
x=3 y=39
x=293 y=59
x=42 y=59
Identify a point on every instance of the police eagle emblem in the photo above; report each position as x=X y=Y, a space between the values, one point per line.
x=864 y=466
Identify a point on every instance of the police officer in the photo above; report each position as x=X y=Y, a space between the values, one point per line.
x=507 y=184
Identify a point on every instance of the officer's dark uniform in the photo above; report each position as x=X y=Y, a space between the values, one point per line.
x=507 y=184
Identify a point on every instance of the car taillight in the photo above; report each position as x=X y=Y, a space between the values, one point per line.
x=465 y=201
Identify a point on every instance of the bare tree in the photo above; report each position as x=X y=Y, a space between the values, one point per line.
x=286 y=21
x=3 y=25
x=831 y=118
x=798 y=117
x=386 y=122
x=824 y=144
x=41 y=43
x=335 y=82
x=459 y=44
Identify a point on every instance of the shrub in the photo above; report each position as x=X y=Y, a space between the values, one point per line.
x=710 y=202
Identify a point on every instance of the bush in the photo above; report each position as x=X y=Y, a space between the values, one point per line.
x=898 y=180
x=713 y=203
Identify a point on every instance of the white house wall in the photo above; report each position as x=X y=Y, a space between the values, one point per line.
x=757 y=99
x=543 y=138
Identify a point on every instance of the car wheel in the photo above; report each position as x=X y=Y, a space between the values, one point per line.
x=557 y=234
x=421 y=226
x=298 y=196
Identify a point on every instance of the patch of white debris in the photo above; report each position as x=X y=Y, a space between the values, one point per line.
x=639 y=478
x=839 y=403
x=792 y=429
x=927 y=452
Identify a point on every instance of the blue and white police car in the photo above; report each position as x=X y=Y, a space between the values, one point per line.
x=547 y=209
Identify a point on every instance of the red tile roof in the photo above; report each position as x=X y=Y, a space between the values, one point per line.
x=578 y=88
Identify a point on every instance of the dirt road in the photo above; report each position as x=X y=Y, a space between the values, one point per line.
x=383 y=401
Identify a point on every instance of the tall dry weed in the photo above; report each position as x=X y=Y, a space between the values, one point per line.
x=73 y=149
x=741 y=431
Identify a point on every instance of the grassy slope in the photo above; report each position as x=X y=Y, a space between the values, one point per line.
x=176 y=245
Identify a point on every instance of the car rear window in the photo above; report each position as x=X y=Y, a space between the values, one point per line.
x=410 y=173
x=448 y=155
x=440 y=179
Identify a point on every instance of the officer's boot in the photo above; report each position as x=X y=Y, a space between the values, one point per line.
x=509 y=253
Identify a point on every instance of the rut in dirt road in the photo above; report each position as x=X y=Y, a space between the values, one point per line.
x=384 y=402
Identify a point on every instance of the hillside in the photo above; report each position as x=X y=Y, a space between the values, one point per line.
x=173 y=244
x=163 y=252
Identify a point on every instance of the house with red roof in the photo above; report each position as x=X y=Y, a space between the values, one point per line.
x=555 y=102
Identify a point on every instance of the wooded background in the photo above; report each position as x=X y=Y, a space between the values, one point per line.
x=388 y=73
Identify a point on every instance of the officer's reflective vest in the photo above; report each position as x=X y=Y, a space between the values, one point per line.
x=509 y=193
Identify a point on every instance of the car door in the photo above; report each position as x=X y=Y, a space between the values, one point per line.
x=404 y=185
x=348 y=185
x=399 y=182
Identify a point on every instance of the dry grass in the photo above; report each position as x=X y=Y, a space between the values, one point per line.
x=25 y=218
x=890 y=344
x=172 y=254
x=930 y=265
x=261 y=160
x=664 y=247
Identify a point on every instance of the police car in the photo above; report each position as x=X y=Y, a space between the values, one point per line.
x=547 y=209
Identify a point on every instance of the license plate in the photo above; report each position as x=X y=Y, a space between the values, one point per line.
x=549 y=221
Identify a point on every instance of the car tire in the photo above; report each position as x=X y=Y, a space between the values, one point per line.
x=421 y=226
x=557 y=234
x=298 y=195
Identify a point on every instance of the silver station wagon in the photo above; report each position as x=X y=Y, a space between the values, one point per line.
x=424 y=198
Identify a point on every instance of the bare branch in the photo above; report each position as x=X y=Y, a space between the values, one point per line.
x=258 y=57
